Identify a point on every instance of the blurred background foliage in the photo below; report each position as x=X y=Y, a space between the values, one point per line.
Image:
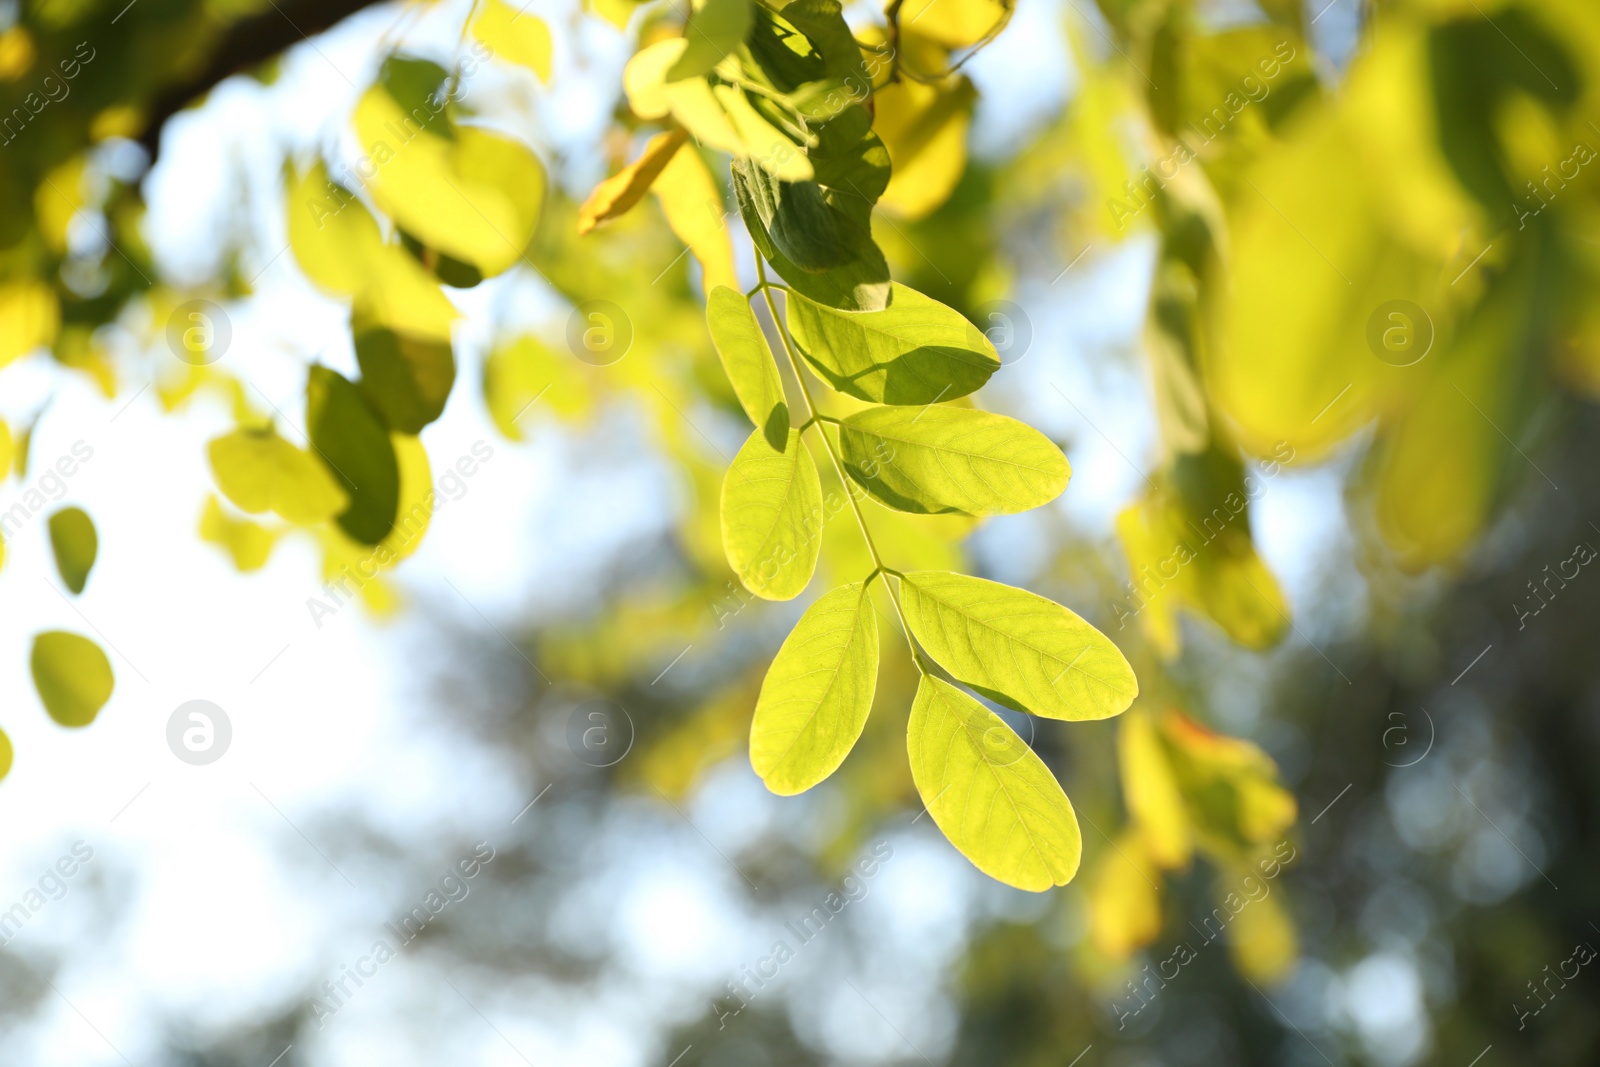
x=1365 y=237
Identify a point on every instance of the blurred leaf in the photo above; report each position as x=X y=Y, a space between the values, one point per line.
x=748 y=362
x=714 y=29
x=350 y=438
x=248 y=544
x=1151 y=793
x=1124 y=899
x=259 y=471
x=691 y=199
x=1230 y=786
x=523 y=374
x=29 y=318
x=934 y=459
x=516 y=35
x=619 y=193
x=72 y=675
x=916 y=351
x=991 y=795
x=75 y=544
x=407 y=379
x=924 y=128
x=772 y=517
x=1017 y=648
x=817 y=693
x=1261 y=937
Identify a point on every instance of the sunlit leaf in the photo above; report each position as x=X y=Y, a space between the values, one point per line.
x=772 y=516
x=248 y=544
x=619 y=193
x=713 y=30
x=75 y=544
x=934 y=459
x=332 y=234
x=258 y=471
x=473 y=194
x=817 y=693
x=1016 y=647
x=516 y=35
x=916 y=351
x=72 y=675
x=29 y=318
x=523 y=377
x=924 y=127
x=691 y=199
x=748 y=362
x=1151 y=792
x=1124 y=899
x=352 y=440
x=989 y=792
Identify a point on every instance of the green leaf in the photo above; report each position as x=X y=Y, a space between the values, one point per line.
x=713 y=31
x=748 y=363
x=772 y=516
x=937 y=459
x=407 y=379
x=355 y=445
x=6 y=754
x=1016 y=647
x=73 y=540
x=817 y=693
x=818 y=234
x=916 y=351
x=991 y=794
x=72 y=675
x=259 y=471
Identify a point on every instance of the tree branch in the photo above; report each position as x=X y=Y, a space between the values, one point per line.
x=243 y=46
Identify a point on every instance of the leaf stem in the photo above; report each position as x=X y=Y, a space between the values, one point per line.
x=814 y=419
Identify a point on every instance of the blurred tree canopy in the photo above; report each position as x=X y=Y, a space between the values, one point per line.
x=1383 y=260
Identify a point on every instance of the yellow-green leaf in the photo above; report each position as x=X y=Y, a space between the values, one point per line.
x=248 y=544
x=72 y=675
x=772 y=516
x=935 y=459
x=716 y=29
x=817 y=693
x=519 y=36
x=332 y=234
x=915 y=351
x=691 y=199
x=618 y=194
x=73 y=540
x=406 y=378
x=524 y=376
x=352 y=440
x=991 y=794
x=6 y=754
x=748 y=362
x=259 y=471
x=1016 y=647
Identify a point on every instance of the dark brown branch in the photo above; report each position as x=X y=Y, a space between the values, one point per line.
x=244 y=46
